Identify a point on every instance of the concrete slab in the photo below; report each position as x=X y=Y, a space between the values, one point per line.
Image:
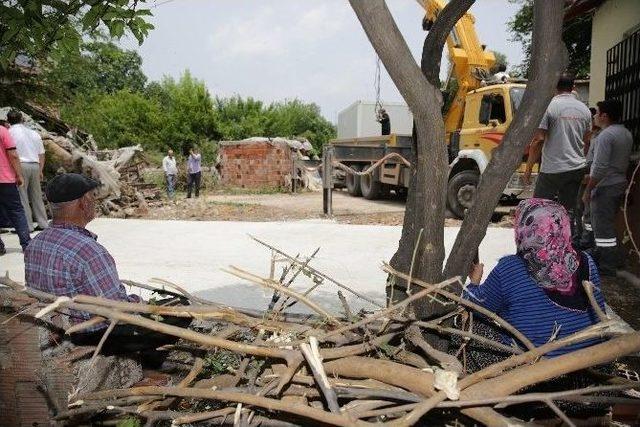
x=191 y=253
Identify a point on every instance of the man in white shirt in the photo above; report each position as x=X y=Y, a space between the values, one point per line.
x=31 y=153
x=170 y=171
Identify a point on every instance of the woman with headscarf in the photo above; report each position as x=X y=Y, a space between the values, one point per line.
x=539 y=289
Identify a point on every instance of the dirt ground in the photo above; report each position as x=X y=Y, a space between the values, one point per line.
x=287 y=207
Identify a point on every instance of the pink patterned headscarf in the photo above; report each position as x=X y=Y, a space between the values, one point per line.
x=543 y=240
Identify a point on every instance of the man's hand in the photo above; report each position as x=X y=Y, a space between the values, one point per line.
x=475 y=275
x=586 y=197
x=526 y=177
x=19 y=180
x=41 y=176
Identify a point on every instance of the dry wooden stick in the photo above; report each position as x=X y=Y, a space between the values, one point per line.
x=273 y=285
x=247 y=399
x=293 y=358
x=428 y=289
x=588 y=288
x=447 y=361
x=559 y=412
x=312 y=355
x=486 y=341
x=491 y=371
x=183 y=291
x=199 y=312
x=319 y=273
x=500 y=321
x=549 y=368
x=201 y=416
x=195 y=370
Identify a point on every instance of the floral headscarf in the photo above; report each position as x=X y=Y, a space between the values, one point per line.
x=543 y=240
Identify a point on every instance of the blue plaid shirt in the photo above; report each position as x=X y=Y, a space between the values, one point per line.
x=66 y=260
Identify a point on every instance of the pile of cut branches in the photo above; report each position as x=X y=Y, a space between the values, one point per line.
x=278 y=368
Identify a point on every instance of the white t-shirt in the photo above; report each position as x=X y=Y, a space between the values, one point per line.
x=169 y=166
x=28 y=143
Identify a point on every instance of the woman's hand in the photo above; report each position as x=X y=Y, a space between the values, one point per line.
x=475 y=275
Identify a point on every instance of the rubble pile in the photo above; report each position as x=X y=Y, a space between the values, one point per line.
x=123 y=192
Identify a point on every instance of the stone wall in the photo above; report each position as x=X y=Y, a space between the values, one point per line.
x=255 y=164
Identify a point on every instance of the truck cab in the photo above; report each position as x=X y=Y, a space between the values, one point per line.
x=488 y=112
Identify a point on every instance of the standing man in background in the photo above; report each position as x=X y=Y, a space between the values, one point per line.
x=10 y=180
x=385 y=122
x=194 y=172
x=608 y=182
x=31 y=153
x=170 y=172
x=560 y=139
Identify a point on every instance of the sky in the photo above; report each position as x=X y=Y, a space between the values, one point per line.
x=272 y=50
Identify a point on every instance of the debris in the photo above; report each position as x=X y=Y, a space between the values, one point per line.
x=294 y=369
x=123 y=193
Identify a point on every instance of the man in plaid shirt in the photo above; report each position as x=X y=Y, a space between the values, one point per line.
x=66 y=260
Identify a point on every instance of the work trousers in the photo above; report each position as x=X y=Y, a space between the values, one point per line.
x=605 y=204
x=171 y=185
x=562 y=187
x=193 y=181
x=10 y=204
x=31 y=196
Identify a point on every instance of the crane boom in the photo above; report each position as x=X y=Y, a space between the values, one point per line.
x=471 y=62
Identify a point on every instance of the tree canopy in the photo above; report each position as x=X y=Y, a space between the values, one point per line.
x=35 y=28
x=576 y=35
x=102 y=89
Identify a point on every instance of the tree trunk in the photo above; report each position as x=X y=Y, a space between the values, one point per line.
x=427 y=192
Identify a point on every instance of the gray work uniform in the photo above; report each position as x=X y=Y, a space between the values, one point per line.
x=566 y=121
x=610 y=163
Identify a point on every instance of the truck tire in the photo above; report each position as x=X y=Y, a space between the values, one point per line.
x=353 y=182
x=370 y=185
x=461 y=191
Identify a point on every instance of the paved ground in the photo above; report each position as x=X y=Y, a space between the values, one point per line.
x=191 y=253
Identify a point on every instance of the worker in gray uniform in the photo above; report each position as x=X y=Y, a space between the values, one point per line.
x=608 y=182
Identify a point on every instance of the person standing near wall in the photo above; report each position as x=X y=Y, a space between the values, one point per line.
x=194 y=172
x=559 y=140
x=10 y=181
x=170 y=172
x=608 y=182
x=31 y=153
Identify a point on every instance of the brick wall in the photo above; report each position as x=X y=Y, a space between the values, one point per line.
x=30 y=387
x=254 y=164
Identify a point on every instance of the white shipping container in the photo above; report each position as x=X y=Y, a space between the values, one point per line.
x=359 y=119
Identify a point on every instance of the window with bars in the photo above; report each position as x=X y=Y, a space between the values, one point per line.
x=623 y=82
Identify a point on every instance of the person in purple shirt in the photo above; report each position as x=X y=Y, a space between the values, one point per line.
x=66 y=260
x=194 y=172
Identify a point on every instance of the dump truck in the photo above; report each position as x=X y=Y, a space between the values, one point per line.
x=475 y=123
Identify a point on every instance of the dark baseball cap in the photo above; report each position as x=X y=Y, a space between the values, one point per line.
x=69 y=186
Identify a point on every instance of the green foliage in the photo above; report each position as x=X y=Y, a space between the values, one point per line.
x=99 y=67
x=242 y=118
x=103 y=90
x=188 y=114
x=294 y=118
x=37 y=27
x=501 y=58
x=118 y=119
x=129 y=422
x=576 y=35
x=219 y=362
